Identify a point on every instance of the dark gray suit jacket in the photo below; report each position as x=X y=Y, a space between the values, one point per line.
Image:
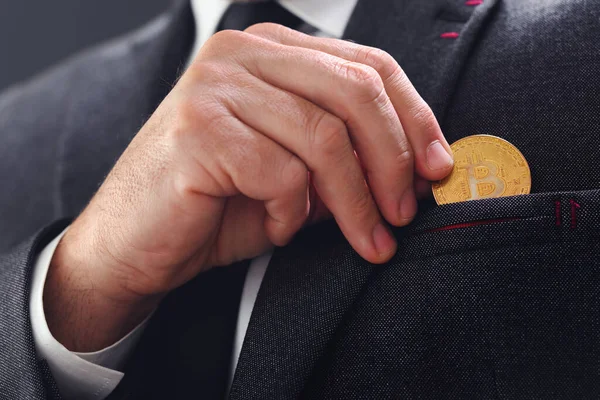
x=506 y=307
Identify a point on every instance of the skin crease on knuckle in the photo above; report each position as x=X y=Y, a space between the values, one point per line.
x=426 y=120
x=363 y=83
x=294 y=178
x=252 y=165
x=380 y=60
x=223 y=42
x=267 y=27
x=329 y=137
x=361 y=206
x=230 y=51
x=294 y=175
x=207 y=71
x=194 y=140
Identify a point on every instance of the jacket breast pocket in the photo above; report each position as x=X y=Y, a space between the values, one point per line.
x=508 y=221
x=495 y=298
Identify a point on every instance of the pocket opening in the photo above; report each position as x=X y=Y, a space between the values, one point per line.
x=470 y=224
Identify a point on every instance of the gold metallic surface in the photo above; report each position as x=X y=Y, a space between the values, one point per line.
x=484 y=167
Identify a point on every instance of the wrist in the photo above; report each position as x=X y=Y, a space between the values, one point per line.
x=86 y=309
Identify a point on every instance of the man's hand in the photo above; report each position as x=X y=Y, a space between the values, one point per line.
x=268 y=130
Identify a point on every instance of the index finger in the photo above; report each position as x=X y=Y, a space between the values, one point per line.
x=433 y=156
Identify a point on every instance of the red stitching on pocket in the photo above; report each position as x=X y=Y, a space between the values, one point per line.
x=474 y=3
x=557 y=212
x=472 y=224
x=574 y=207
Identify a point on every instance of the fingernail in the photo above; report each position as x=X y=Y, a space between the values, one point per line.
x=384 y=241
x=408 y=205
x=438 y=157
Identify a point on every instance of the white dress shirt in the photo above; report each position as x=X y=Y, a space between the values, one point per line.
x=95 y=375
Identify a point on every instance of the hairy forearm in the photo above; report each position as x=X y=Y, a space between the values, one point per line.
x=79 y=314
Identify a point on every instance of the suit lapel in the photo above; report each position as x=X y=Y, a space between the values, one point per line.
x=288 y=329
x=310 y=284
x=420 y=35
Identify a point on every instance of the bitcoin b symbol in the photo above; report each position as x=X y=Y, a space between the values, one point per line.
x=484 y=181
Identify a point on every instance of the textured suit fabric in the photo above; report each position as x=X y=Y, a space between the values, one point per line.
x=507 y=309
x=22 y=375
x=503 y=310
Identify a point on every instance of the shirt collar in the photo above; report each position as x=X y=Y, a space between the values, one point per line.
x=330 y=17
x=207 y=15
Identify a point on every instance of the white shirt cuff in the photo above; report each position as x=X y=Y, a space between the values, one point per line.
x=78 y=375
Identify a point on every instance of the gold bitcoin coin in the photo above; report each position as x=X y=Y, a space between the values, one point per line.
x=484 y=167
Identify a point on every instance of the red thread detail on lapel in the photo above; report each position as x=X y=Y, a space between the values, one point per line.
x=574 y=207
x=450 y=35
x=557 y=212
x=471 y=224
x=474 y=3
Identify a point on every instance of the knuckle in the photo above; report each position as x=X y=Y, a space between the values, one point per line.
x=380 y=60
x=215 y=121
x=219 y=79
x=223 y=41
x=363 y=81
x=206 y=115
x=294 y=174
x=206 y=70
x=194 y=125
x=404 y=160
x=177 y=137
x=186 y=117
x=263 y=27
x=361 y=204
x=399 y=82
x=329 y=135
x=425 y=120
x=227 y=36
x=242 y=161
x=186 y=108
x=189 y=126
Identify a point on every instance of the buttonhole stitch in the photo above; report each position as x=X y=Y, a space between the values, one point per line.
x=449 y=35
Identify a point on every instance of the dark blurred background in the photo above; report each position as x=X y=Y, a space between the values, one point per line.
x=35 y=34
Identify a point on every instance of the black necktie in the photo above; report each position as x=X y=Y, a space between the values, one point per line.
x=240 y=16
